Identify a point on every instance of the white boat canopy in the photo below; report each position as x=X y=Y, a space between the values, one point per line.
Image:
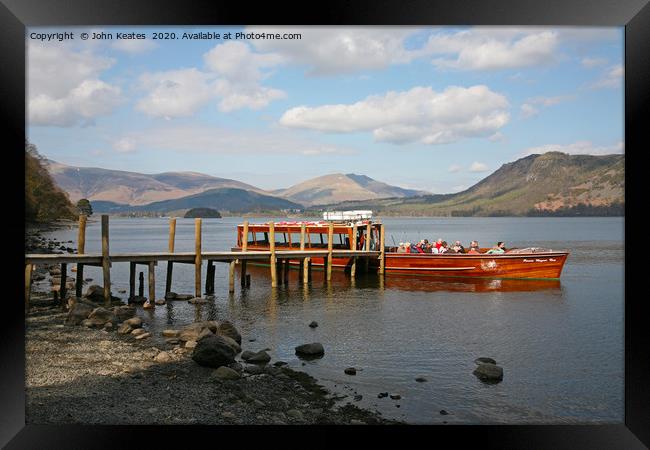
x=347 y=215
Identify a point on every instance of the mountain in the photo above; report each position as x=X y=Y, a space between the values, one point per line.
x=133 y=188
x=222 y=199
x=550 y=184
x=339 y=187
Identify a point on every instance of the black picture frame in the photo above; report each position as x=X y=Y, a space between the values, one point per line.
x=15 y=15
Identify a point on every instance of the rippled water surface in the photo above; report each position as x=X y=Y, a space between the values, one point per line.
x=560 y=343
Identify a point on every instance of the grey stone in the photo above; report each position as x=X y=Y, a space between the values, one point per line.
x=171 y=333
x=162 y=357
x=226 y=373
x=213 y=351
x=134 y=322
x=484 y=360
x=313 y=324
x=350 y=371
x=420 y=379
x=246 y=355
x=228 y=329
x=78 y=313
x=138 y=331
x=313 y=349
x=125 y=328
x=489 y=373
x=143 y=336
x=260 y=357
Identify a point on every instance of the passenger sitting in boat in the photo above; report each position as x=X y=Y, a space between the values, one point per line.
x=497 y=249
x=474 y=248
x=458 y=247
x=419 y=248
x=444 y=247
x=438 y=244
x=401 y=248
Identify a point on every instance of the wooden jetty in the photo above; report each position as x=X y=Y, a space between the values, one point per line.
x=105 y=259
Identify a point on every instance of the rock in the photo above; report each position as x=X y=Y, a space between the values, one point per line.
x=183 y=297
x=121 y=291
x=190 y=344
x=95 y=292
x=78 y=313
x=395 y=396
x=143 y=336
x=314 y=349
x=350 y=371
x=172 y=341
x=213 y=351
x=237 y=367
x=443 y=412
x=484 y=360
x=123 y=312
x=246 y=355
x=160 y=301
x=162 y=357
x=137 y=299
x=489 y=373
x=134 y=322
x=197 y=301
x=204 y=332
x=272 y=370
x=279 y=363
x=171 y=333
x=226 y=373
x=93 y=323
x=125 y=328
x=295 y=414
x=260 y=357
x=103 y=314
x=235 y=346
x=313 y=324
x=170 y=296
x=228 y=329
x=420 y=379
x=108 y=326
x=192 y=332
x=254 y=369
x=358 y=397
x=138 y=331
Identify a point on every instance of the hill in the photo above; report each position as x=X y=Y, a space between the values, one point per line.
x=44 y=200
x=206 y=213
x=550 y=184
x=338 y=187
x=133 y=188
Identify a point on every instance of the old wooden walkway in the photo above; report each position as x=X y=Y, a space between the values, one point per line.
x=275 y=258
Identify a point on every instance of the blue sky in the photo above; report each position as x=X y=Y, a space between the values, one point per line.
x=436 y=109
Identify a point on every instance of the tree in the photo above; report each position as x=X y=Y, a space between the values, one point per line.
x=85 y=207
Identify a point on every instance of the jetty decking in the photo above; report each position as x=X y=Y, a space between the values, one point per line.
x=278 y=261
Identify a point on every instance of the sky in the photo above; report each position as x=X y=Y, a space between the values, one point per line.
x=436 y=109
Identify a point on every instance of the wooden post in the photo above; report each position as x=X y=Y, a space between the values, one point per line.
x=28 y=284
x=285 y=272
x=231 y=277
x=382 y=253
x=170 y=264
x=62 y=288
x=81 y=249
x=367 y=246
x=106 y=263
x=305 y=261
x=274 y=281
x=330 y=244
x=152 y=284
x=244 y=248
x=353 y=244
x=141 y=285
x=131 y=280
x=197 y=257
x=209 y=278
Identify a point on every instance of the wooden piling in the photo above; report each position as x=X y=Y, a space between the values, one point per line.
x=141 y=285
x=382 y=252
x=197 y=257
x=274 y=281
x=353 y=246
x=152 y=284
x=170 y=264
x=81 y=249
x=209 y=278
x=244 y=248
x=64 y=280
x=106 y=268
x=231 y=277
x=131 y=280
x=28 y=284
x=330 y=246
x=286 y=269
x=367 y=246
x=305 y=262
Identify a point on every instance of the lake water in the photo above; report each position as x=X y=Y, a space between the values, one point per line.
x=560 y=343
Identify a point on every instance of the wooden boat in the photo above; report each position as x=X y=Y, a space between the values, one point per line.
x=515 y=263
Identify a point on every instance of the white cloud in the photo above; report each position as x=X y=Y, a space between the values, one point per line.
x=63 y=86
x=207 y=139
x=478 y=167
x=233 y=78
x=494 y=48
x=532 y=105
x=134 y=46
x=576 y=148
x=455 y=168
x=593 y=62
x=333 y=50
x=417 y=115
x=611 y=78
x=528 y=110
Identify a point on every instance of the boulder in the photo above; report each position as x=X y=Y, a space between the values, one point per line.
x=137 y=299
x=171 y=333
x=191 y=332
x=161 y=301
x=489 y=373
x=228 y=329
x=93 y=323
x=170 y=296
x=197 y=301
x=226 y=373
x=125 y=328
x=78 y=312
x=138 y=331
x=123 y=312
x=162 y=357
x=246 y=355
x=183 y=297
x=205 y=332
x=143 y=336
x=106 y=315
x=213 y=351
x=260 y=357
x=350 y=371
x=313 y=349
x=235 y=346
x=134 y=322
